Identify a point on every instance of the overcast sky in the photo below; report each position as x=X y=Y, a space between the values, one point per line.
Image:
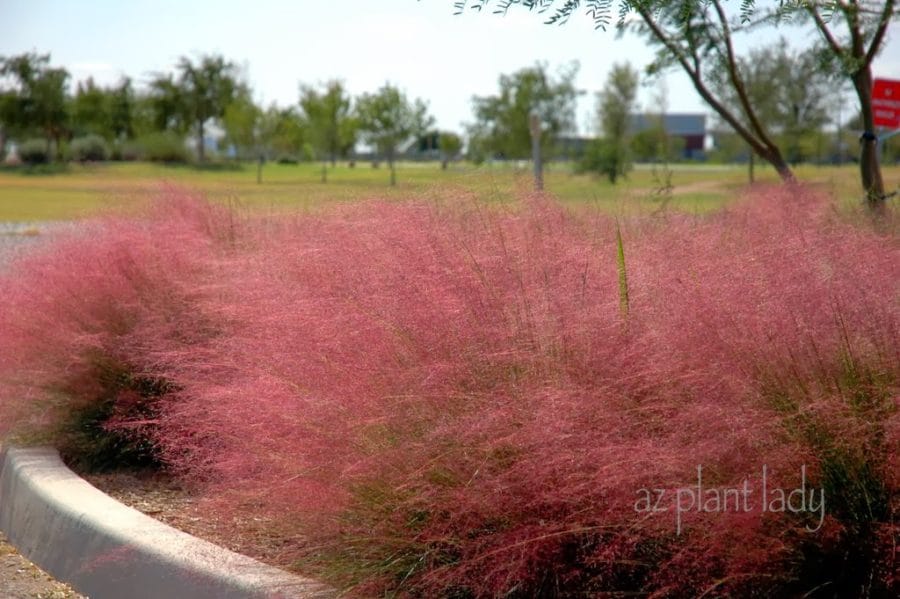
x=419 y=45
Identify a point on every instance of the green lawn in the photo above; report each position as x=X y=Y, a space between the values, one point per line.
x=83 y=190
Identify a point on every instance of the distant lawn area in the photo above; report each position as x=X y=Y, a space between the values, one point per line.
x=83 y=190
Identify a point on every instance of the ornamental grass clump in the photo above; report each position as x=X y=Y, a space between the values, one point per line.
x=467 y=401
x=84 y=318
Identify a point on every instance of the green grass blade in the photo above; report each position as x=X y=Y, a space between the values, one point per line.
x=623 y=273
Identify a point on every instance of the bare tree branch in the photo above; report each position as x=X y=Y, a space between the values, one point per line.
x=826 y=33
x=857 y=44
x=735 y=76
x=886 y=15
x=698 y=82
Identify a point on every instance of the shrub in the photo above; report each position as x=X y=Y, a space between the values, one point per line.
x=452 y=400
x=162 y=147
x=89 y=148
x=606 y=158
x=128 y=150
x=34 y=151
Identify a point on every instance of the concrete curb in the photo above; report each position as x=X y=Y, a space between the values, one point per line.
x=107 y=550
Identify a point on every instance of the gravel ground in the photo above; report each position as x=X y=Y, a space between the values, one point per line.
x=19 y=578
x=19 y=238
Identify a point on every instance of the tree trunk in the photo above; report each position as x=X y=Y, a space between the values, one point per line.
x=444 y=163
x=869 y=166
x=773 y=156
x=750 y=165
x=390 y=159
x=201 y=154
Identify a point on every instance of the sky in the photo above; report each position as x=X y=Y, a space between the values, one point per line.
x=420 y=46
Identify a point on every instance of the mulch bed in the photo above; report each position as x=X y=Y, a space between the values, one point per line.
x=162 y=497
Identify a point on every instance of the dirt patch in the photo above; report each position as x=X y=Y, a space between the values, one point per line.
x=680 y=189
x=699 y=187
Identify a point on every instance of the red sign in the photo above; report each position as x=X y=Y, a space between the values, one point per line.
x=886 y=103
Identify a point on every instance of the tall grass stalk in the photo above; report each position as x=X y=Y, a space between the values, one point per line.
x=623 y=273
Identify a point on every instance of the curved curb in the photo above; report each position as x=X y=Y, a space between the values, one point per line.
x=105 y=549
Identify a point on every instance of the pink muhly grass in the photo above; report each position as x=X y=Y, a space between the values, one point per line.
x=447 y=400
x=81 y=317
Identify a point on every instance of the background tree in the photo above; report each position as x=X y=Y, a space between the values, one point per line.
x=727 y=146
x=50 y=105
x=477 y=150
x=18 y=74
x=387 y=119
x=449 y=144
x=789 y=90
x=241 y=121
x=611 y=154
x=805 y=102
x=166 y=104
x=90 y=110
x=332 y=126
x=654 y=143
x=34 y=97
x=698 y=37
x=121 y=110
x=206 y=89
x=283 y=133
x=143 y=112
x=501 y=126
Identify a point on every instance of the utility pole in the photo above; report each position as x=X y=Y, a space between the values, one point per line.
x=534 y=124
x=838 y=140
